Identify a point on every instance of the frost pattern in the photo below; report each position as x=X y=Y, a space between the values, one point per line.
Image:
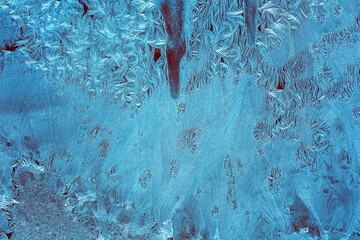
x=261 y=142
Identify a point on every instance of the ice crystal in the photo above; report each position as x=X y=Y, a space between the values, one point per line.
x=164 y=119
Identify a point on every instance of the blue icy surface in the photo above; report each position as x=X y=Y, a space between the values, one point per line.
x=259 y=140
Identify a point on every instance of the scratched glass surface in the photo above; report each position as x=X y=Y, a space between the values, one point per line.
x=179 y=119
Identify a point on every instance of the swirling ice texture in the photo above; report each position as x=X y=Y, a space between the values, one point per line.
x=261 y=142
